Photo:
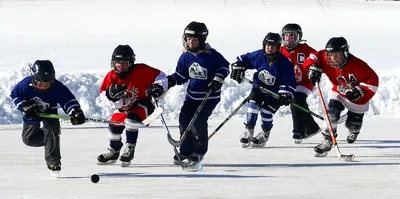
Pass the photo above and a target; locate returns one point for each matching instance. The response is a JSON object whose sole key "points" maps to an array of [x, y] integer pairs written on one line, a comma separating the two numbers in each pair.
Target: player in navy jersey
{"points": [[40, 93], [274, 72], [204, 68]]}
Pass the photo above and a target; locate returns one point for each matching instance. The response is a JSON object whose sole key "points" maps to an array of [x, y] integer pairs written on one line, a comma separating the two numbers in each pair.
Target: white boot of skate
{"points": [[247, 137]]}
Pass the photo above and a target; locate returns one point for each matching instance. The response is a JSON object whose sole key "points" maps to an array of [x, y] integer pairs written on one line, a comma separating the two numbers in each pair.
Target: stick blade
{"points": [[173, 142], [347, 158]]}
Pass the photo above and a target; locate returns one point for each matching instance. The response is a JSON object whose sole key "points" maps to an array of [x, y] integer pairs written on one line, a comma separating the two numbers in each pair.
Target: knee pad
{"points": [[252, 113], [354, 122], [115, 132], [334, 109], [257, 96], [266, 118], [133, 118]]}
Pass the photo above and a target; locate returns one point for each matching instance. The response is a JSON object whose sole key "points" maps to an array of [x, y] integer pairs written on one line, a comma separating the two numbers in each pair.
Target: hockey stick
{"points": [[177, 143], [130, 123], [349, 157], [66, 117], [168, 132], [229, 117], [276, 96]]}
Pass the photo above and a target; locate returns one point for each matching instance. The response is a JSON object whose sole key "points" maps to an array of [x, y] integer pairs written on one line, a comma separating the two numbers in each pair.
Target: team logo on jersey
{"points": [[298, 73], [344, 84], [197, 72], [266, 77], [300, 58]]}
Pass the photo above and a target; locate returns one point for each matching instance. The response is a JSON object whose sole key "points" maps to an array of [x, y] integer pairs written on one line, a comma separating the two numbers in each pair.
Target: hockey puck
{"points": [[95, 178]]}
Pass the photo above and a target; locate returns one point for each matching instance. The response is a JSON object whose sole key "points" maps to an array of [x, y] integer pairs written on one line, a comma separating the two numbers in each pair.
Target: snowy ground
{"points": [[280, 170]]}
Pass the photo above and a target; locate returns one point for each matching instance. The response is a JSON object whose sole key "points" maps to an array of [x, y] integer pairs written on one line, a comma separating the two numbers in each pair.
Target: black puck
{"points": [[95, 178]]}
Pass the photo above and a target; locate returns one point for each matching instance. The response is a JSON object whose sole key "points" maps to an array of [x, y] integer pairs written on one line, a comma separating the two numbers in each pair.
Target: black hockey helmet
{"points": [[337, 44], [272, 39], [198, 30], [292, 28], [123, 53], [43, 74]]}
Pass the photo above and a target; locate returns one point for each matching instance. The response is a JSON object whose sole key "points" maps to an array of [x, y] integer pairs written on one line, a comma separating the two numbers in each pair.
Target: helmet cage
{"points": [[287, 38], [332, 62]]}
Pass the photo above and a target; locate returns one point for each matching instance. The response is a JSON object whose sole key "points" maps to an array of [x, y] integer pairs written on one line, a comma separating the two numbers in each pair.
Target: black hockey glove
{"points": [[314, 74], [116, 91], [30, 109], [155, 91], [237, 73], [285, 99], [77, 117], [216, 84], [355, 93], [171, 81]]}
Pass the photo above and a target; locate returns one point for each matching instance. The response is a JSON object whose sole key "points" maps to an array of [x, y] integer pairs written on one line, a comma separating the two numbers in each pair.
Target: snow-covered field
{"points": [[79, 37]]}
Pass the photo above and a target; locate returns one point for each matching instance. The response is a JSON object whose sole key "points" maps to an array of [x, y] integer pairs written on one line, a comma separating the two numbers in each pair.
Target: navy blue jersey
{"points": [[200, 69], [277, 76], [58, 94]]}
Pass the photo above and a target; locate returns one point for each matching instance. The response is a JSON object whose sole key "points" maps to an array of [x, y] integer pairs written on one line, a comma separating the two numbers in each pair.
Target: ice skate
{"points": [[54, 170], [128, 155], [322, 149], [247, 138], [261, 139], [298, 138], [182, 158], [352, 137], [108, 158], [194, 163]]}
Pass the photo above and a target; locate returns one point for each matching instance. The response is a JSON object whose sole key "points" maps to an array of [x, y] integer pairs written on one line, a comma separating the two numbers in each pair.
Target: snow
{"points": [[79, 37]]}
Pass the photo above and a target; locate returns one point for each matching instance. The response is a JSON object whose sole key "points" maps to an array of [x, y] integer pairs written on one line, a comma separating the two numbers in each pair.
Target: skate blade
{"points": [[298, 141], [319, 155], [55, 174], [192, 167], [107, 163], [258, 145], [125, 164], [246, 145]]}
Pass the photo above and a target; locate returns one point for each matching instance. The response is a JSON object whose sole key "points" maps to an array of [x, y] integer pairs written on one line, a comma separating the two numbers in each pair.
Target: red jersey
{"points": [[141, 78], [297, 56], [354, 73]]}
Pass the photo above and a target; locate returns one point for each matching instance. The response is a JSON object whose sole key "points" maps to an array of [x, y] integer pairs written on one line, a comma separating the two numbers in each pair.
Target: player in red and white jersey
{"points": [[304, 125], [129, 87], [354, 84]]}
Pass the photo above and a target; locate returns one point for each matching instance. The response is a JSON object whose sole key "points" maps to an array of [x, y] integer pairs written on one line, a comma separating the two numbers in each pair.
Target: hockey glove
{"points": [[116, 92], [314, 74], [76, 116], [355, 93], [238, 72], [216, 84], [171, 81], [30, 109], [285, 99], [155, 91]]}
